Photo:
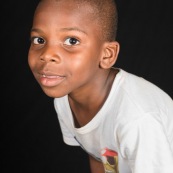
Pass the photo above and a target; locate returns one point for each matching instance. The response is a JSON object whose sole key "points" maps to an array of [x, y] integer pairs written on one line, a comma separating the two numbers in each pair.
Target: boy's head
{"points": [[73, 44], [104, 13]]}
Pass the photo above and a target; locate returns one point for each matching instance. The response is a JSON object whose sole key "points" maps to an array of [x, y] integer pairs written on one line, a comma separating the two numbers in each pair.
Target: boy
{"points": [[122, 121]]}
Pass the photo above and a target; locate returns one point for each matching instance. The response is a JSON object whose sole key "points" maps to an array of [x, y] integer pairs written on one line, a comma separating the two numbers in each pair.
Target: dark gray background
{"points": [[31, 139]]}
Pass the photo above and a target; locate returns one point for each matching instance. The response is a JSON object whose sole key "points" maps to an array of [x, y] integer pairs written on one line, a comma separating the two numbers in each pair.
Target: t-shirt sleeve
{"points": [[66, 128], [145, 144], [68, 137]]}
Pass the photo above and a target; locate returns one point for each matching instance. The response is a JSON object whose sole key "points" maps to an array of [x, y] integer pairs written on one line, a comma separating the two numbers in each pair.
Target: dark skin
{"points": [[84, 112], [68, 57]]}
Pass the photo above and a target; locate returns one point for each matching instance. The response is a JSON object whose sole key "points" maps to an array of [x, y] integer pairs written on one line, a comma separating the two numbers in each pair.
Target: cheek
{"points": [[31, 63], [32, 59], [80, 62], [83, 66], [86, 56]]}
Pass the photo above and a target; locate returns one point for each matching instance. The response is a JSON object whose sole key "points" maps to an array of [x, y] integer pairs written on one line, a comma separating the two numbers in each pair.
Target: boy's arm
{"points": [[96, 166]]}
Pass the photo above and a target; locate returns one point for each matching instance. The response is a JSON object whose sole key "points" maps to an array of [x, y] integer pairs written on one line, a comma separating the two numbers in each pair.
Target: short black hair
{"points": [[106, 15]]}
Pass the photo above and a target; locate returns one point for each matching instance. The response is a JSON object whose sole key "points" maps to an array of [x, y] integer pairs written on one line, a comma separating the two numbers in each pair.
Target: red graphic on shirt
{"points": [[110, 160]]}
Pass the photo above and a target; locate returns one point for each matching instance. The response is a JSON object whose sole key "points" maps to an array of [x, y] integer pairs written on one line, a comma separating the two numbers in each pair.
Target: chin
{"points": [[53, 94]]}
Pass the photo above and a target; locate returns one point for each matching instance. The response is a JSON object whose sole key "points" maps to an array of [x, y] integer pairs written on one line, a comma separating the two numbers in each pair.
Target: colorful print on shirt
{"points": [[110, 160]]}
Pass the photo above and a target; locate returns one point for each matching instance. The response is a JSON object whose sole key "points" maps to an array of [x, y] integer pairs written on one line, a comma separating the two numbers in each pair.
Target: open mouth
{"points": [[51, 80], [51, 76]]}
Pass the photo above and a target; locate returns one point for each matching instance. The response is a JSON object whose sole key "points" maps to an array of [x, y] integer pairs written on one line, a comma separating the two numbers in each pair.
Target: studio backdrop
{"points": [[32, 140]]}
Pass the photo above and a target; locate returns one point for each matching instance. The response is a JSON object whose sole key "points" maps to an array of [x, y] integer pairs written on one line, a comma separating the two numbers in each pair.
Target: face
{"points": [[65, 48]]}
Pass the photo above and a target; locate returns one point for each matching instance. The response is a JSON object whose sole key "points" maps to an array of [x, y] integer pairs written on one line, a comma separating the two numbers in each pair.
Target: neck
{"points": [[86, 105]]}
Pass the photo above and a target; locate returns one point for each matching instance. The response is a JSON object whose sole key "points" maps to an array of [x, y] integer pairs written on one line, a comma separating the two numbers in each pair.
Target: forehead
{"points": [[68, 7], [65, 14]]}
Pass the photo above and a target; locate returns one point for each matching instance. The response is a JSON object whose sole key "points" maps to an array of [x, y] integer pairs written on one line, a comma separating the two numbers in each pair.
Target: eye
{"points": [[71, 41], [38, 40]]}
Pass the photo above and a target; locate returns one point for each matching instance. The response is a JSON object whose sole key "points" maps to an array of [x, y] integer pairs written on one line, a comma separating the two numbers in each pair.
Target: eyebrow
{"points": [[73, 29], [35, 30], [62, 29]]}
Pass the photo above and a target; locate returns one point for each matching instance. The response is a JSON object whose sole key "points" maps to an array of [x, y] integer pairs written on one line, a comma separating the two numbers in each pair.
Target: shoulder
{"points": [[142, 93], [61, 103]]}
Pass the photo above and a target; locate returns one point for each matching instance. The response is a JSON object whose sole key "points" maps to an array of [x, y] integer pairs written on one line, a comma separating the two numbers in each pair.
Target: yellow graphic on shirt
{"points": [[110, 160]]}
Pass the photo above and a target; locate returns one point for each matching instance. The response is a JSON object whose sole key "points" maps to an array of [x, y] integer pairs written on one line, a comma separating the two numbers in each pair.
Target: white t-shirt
{"points": [[132, 132]]}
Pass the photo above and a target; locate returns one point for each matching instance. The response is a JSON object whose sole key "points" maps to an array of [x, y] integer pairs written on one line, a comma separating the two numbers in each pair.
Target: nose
{"points": [[50, 54]]}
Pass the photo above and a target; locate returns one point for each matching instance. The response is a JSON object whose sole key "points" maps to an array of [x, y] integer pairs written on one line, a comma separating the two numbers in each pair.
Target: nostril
{"points": [[52, 60], [41, 59], [47, 59]]}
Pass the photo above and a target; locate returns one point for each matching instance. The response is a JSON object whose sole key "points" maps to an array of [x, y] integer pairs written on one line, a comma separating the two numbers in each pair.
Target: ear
{"points": [[110, 54]]}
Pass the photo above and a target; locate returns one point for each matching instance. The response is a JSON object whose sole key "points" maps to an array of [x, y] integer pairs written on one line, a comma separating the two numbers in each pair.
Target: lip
{"points": [[51, 80]]}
